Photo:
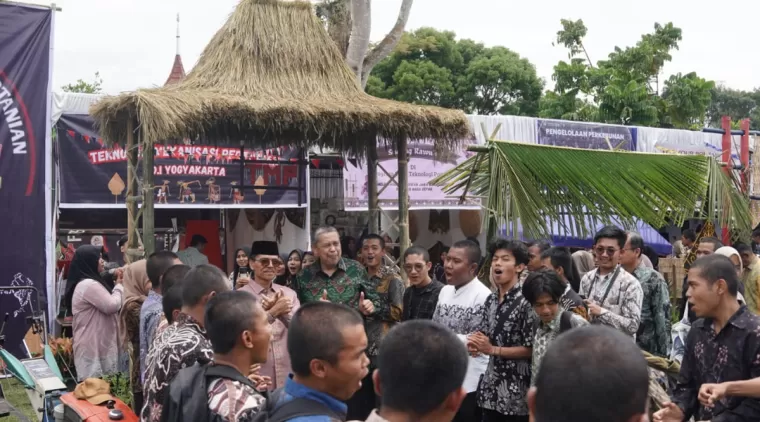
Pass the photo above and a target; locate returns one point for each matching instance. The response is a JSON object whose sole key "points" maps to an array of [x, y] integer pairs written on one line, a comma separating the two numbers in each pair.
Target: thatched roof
{"points": [[272, 76]]}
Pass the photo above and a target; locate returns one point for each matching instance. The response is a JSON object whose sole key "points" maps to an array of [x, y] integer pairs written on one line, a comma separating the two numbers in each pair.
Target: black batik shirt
{"points": [[419, 303], [506, 381], [733, 354]]}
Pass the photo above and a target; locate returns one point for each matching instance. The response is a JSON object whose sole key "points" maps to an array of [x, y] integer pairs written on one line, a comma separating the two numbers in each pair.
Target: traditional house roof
{"points": [[178, 71]]}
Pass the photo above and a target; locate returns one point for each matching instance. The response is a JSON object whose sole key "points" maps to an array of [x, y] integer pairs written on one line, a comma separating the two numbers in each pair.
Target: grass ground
{"points": [[17, 397]]}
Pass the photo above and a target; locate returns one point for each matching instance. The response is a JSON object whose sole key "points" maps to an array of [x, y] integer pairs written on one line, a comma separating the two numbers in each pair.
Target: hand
{"points": [[472, 350], [669, 413], [711, 393], [118, 275], [262, 382], [366, 307], [593, 308], [479, 342], [241, 281], [267, 302], [282, 306], [324, 296]]}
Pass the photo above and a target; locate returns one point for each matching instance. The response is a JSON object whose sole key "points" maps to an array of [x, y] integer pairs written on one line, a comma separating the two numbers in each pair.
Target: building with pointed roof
{"points": [[178, 70]]}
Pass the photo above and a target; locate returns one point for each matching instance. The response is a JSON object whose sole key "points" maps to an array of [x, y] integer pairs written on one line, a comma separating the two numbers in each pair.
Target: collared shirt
{"points": [[180, 345], [231, 400], [751, 281], [295, 390], [733, 354], [545, 334], [419, 303], [622, 306], [461, 310], [390, 290], [573, 302], [150, 314], [277, 366], [192, 257], [653, 335], [508, 323], [375, 417], [344, 286]]}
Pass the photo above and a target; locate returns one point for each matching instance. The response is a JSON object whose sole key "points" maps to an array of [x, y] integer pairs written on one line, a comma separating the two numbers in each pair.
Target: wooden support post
{"points": [[403, 196], [726, 147], [373, 204], [133, 253], [148, 214]]}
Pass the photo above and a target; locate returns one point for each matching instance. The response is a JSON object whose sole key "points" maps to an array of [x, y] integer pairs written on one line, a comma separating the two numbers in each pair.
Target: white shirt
{"points": [[461, 311], [192, 257]]}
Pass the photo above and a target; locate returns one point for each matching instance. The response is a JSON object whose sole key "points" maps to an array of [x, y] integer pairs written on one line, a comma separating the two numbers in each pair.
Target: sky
{"points": [[132, 42]]}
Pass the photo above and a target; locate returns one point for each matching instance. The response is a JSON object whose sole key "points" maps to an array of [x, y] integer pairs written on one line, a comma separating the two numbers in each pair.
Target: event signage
{"points": [[24, 95], [185, 175], [423, 166], [585, 135]]}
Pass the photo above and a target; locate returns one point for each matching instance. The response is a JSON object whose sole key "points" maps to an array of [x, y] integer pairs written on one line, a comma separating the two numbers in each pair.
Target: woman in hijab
{"points": [[308, 259], [283, 275], [241, 275], [583, 261], [292, 267], [95, 305], [136, 285]]}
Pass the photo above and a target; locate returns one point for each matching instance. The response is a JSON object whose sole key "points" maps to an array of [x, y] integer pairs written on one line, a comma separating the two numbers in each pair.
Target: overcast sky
{"points": [[132, 42]]}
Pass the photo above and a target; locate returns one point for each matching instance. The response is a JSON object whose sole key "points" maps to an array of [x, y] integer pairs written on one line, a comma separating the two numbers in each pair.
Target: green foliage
{"points": [[84, 87], [119, 383], [734, 103], [431, 67], [624, 88]]}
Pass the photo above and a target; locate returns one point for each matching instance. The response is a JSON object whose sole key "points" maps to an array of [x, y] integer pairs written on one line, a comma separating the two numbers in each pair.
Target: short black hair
{"points": [[316, 332], [611, 232], [227, 315], [171, 300], [562, 258], [712, 241], [372, 236], [636, 242], [197, 240], [542, 245], [715, 267], [515, 247], [445, 249], [471, 249], [201, 281], [609, 366], [689, 234], [417, 250], [157, 264], [173, 275], [123, 240], [420, 364], [743, 248], [543, 281], [756, 233]]}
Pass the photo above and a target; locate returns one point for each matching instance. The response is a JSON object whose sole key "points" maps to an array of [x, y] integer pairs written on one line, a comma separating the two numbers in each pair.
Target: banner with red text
{"points": [[184, 175]]}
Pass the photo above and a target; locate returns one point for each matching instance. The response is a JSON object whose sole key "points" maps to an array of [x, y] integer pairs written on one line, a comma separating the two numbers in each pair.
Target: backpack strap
{"points": [[565, 321], [297, 407], [228, 372]]}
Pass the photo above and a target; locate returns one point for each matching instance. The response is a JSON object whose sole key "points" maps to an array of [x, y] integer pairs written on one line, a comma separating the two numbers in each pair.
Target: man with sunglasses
{"points": [[279, 302], [613, 295]]}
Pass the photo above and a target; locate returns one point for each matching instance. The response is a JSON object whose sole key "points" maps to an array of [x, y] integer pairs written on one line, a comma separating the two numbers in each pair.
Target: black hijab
{"points": [[84, 266], [235, 273]]}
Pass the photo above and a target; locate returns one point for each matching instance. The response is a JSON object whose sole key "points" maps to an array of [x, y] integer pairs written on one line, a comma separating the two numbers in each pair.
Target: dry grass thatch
{"points": [[272, 76]]}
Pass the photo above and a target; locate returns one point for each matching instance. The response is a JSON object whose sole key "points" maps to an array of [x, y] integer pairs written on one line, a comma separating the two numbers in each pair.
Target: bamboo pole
{"points": [[148, 214], [403, 196], [133, 252], [372, 195]]}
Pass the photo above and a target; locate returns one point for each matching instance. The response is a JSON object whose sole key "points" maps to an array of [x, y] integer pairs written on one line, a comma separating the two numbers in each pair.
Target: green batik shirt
{"points": [[344, 286], [654, 330], [390, 291]]}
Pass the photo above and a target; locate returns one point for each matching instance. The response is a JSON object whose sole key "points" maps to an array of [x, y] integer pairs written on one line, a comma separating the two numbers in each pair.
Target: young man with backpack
{"points": [[239, 333], [543, 290]]}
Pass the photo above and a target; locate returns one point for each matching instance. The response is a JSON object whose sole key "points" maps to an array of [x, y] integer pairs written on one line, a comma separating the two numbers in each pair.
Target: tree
{"points": [[432, 67], [83, 87], [734, 103], [625, 88]]}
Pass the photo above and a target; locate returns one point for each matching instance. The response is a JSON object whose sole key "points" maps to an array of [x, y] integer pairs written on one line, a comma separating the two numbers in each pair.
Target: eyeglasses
{"points": [[416, 267], [600, 251], [265, 262]]}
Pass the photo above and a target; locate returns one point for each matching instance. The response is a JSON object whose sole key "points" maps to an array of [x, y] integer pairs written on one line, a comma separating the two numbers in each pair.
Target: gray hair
{"points": [[322, 231], [636, 242]]}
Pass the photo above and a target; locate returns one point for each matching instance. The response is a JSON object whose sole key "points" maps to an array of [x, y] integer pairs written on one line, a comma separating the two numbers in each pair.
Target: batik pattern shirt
{"points": [[545, 335], [733, 354], [233, 401], [344, 286], [622, 306], [506, 381], [150, 315], [179, 346], [390, 291], [573, 302], [751, 281], [419, 303], [653, 335]]}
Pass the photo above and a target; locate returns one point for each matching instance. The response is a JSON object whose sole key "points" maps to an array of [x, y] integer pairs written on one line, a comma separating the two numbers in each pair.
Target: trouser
{"points": [[494, 416], [469, 410], [360, 405], [137, 396]]}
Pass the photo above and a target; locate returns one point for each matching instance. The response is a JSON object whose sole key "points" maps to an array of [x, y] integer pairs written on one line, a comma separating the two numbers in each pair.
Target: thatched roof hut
{"points": [[272, 76]]}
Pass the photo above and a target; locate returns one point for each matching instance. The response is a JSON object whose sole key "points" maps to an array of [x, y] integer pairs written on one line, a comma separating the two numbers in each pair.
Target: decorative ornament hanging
{"points": [[470, 222]]}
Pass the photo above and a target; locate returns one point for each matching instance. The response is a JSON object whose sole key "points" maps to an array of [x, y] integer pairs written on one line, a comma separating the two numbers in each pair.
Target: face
{"points": [[101, 264], [201, 247], [737, 264], [459, 270], [281, 269], [607, 253], [266, 266], [704, 297], [628, 256], [327, 249], [504, 268], [747, 258], [345, 377], [546, 308], [705, 249], [241, 258], [686, 242], [372, 253], [308, 260], [294, 263], [547, 263], [256, 338], [443, 257], [416, 269], [535, 258]]}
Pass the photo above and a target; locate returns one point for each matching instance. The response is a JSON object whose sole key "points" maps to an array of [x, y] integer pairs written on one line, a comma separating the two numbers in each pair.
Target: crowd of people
{"points": [[547, 336]]}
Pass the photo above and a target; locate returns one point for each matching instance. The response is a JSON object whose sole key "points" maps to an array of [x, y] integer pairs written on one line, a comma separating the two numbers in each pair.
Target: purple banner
{"points": [[24, 95], [187, 175], [566, 133]]}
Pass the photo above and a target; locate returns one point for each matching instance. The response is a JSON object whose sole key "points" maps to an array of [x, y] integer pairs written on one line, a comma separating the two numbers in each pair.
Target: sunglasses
{"points": [[265, 262], [600, 251]]}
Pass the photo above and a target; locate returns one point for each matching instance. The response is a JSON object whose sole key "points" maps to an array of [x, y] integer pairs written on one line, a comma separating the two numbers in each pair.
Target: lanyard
{"points": [[609, 286]]}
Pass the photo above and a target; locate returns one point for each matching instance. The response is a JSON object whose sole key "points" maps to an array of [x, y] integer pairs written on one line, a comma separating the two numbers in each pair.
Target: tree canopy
{"points": [[85, 87]]}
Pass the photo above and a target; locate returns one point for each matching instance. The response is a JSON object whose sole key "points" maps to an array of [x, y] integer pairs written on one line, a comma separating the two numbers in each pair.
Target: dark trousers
{"points": [[494, 416], [138, 401], [360, 405], [469, 410]]}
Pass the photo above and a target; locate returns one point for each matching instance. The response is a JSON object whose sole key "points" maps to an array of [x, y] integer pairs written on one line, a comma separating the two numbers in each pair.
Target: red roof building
{"points": [[178, 70]]}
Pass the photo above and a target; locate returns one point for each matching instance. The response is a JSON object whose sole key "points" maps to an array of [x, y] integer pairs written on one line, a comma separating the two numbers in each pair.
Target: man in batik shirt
{"points": [[751, 277], [653, 335]]}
